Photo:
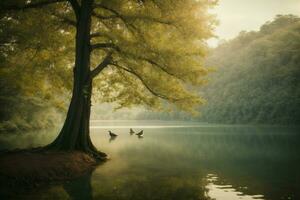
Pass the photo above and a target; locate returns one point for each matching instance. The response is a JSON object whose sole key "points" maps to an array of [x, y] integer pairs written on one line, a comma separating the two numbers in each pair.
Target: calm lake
{"points": [[180, 160]]}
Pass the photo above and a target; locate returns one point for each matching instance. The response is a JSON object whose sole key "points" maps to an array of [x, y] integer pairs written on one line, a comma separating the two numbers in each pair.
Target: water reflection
{"points": [[140, 136], [80, 188], [219, 191], [194, 162], [111, 139], [259, 163]]}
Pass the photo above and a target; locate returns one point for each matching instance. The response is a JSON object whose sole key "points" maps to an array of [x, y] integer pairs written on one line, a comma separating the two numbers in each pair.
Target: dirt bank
{"points": [[29, 168]]}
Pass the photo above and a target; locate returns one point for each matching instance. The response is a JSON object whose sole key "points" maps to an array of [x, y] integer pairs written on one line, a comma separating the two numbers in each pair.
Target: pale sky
{"points": [[237, 15]]}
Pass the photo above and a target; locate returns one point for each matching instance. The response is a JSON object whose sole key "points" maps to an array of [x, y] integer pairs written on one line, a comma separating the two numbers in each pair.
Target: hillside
{"points": [[256, 78]]}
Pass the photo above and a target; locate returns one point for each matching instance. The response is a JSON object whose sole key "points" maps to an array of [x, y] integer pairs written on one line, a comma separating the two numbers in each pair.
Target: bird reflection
{"points": [[140, 136], [112, 139]]}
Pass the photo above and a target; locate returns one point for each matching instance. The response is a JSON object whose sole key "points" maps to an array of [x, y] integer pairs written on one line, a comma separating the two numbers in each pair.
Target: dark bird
{"points": [[141, 133], [111, 134], [131, 131]]}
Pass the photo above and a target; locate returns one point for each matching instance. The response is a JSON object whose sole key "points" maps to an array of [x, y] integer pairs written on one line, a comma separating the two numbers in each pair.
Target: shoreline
{"points": [[32, 169]]}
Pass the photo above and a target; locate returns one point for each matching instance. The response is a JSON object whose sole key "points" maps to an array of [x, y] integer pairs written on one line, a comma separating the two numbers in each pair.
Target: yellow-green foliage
{"points": [[158, 47], [34, 68]]}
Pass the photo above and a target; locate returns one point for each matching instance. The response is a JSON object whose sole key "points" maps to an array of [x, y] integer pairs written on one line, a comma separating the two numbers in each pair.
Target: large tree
{"points": [[147, 52]]}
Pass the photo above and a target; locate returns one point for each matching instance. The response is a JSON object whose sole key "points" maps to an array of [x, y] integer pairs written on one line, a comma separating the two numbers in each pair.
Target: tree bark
{"points": [[75, 134]]}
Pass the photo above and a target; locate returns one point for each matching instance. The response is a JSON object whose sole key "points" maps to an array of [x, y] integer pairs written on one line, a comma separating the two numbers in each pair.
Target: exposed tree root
{"points": [[91, 150]]}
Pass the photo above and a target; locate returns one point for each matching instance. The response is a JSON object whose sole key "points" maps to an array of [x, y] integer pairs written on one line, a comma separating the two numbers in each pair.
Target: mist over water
{"points": [[181, 160]]}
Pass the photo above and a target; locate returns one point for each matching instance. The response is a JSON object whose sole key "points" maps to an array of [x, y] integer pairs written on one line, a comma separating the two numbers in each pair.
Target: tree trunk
{"points": [[75, 134]]}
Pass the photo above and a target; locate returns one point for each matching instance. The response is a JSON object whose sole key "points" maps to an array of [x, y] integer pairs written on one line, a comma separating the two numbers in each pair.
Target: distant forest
{"points": [[256, 78]]}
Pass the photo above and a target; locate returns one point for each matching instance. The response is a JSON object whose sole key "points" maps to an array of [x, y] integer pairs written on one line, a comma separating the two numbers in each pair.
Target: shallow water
{"points": [[181, 160]]}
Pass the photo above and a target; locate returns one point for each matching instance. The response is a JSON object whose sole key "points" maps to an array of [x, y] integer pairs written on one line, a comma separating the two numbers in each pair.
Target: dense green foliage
{"points": [[257, 78]]}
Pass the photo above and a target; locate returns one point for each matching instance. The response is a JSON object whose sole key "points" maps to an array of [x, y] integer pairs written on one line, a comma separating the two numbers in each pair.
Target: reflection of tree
{"points": [[148, 185], [80, 188]]}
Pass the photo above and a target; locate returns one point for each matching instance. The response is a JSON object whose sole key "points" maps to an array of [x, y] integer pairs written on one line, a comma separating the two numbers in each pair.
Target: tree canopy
{"points": [[156, 50], [33, 69]]}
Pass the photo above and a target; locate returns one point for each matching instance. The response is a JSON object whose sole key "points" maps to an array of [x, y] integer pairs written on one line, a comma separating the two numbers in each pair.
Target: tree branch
{"points": [[130, 17], [150, 61], [102, 45], [97, 34], [31, 5], [76, 7], [65, 19], [107, 8], [102, 65], [104, 17], [117, 15], [144, 83]]}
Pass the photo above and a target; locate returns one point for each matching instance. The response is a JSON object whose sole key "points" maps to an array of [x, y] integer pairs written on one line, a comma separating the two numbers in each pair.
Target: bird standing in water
{"points": [[111, 134], [131, 131], [141, 133]]}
